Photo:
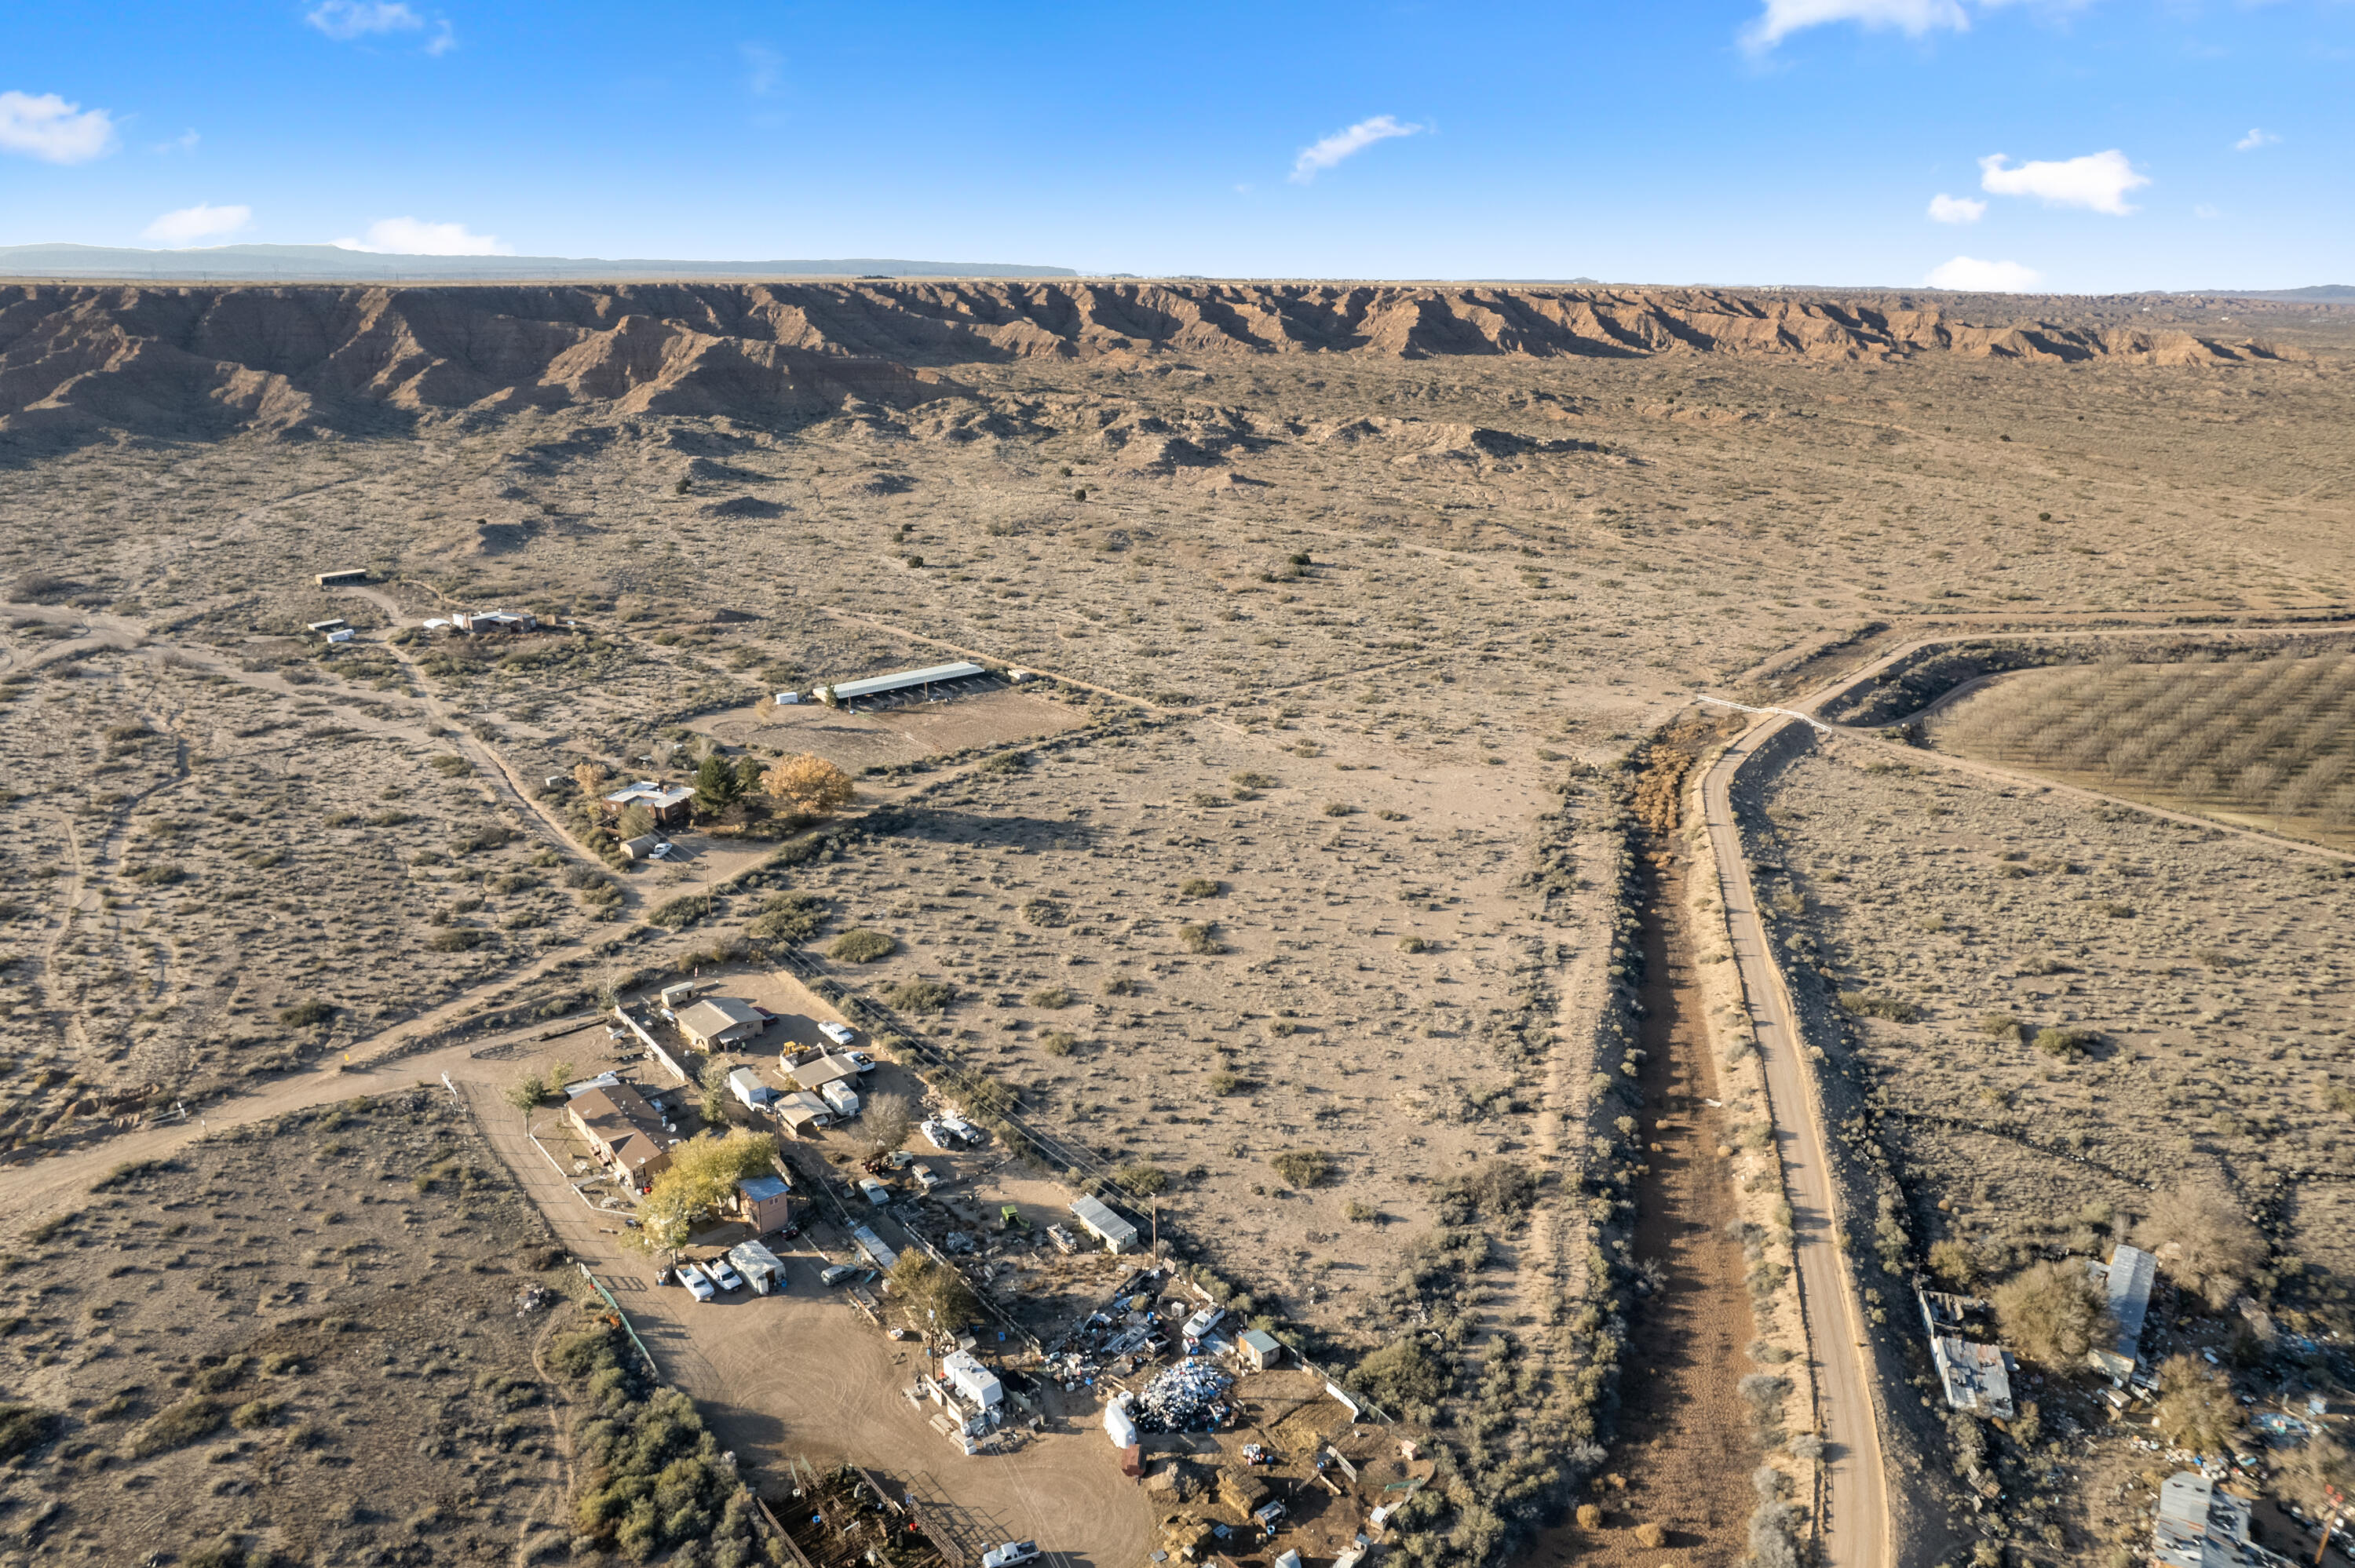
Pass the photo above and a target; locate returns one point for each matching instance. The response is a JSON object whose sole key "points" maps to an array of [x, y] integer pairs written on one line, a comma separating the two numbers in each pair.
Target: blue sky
{"points": [[2100, 146]]}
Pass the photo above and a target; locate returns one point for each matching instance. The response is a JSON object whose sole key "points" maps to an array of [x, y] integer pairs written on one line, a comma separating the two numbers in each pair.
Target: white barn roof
{"points": [[877, 685]]}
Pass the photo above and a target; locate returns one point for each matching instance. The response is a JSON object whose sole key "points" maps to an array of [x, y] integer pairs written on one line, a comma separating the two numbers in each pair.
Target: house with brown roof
{"points": [[624, 1131], [718, 1021]]}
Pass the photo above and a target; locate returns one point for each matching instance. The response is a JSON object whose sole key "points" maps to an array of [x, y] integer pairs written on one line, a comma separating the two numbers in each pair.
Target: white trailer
{"points": [[746, 1085], [763, 1270], [873, 1246], [971, 1379]]}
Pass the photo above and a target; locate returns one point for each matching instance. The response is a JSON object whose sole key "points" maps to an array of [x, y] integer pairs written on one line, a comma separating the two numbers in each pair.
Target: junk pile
{"points": [[1184, 1398]]}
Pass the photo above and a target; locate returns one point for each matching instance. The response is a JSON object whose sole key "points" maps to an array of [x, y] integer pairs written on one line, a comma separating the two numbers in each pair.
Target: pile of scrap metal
{"points": [[1186, 1397]]}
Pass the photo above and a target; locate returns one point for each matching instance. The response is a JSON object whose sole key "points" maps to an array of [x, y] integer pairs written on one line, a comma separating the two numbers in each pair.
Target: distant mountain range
{"points": [[334, 264], [2321, 294]]}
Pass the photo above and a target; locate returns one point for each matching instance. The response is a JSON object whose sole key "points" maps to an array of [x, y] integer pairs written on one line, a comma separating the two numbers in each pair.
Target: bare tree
{"points": [[2203, 1241], [2052, 1314], [884, 1123]]}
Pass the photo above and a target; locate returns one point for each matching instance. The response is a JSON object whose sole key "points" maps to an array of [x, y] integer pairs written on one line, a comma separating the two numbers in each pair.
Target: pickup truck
{"points": [[877, 1193], [1011, 1555]]}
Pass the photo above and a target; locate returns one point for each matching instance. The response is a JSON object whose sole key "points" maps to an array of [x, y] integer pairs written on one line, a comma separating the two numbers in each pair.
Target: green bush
{"points": [[1057, 1042], [789, 916], [177, 1426], [862, 947], [1201, 887], [1304, 1167], [2065, 1044], [456, 939], [1223, 1083], [921, 997], [681, 912], [304, 1015], [23, 1428], [1872, 1004], [648, 1477], [1401, 1373], [1143, 1178], [1498, 1188], [1053, 998], [1201, 938]]}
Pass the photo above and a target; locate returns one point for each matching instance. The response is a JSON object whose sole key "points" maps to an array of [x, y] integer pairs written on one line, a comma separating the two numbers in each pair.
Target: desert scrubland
{"points": [[1306, 890]]}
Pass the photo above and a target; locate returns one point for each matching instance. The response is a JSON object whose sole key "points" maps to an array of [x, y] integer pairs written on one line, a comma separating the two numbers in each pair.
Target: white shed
{"points": [[971, 1379], [762, 1269], [1116, 1233]]}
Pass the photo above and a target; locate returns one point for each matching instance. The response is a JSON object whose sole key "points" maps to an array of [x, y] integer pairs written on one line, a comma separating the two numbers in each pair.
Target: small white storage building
{"points": [[746, 1085], [1116, 1233], [971, 1379], [763, 1270]]}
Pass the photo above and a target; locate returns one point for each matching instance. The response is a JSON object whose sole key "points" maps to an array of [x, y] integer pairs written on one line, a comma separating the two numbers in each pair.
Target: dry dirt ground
{"points": [[303, 1340], [2208, 976], [1342, 595]]}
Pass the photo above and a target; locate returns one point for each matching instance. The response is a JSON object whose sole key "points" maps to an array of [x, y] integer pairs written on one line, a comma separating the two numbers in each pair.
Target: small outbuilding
{"points": [[494, 620], [765, 1202], [718, 1021], [351, 577], [750, 1092], [801, 1112], [971, 1379], [816, 1073], [2125, 1281], [643, 847], [1116, 1233], [2199, 1525], [762, 1270], [1259, 1349]]}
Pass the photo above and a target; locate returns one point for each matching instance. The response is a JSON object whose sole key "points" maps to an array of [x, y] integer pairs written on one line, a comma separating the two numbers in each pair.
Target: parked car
{"points": [[717, 1270], [696, 1286], [937, 1136], [840, 1033], [877, 1193], [1010, 1555], [929, 1179], [834, 1273], [899, 1160], [841, 1096]]}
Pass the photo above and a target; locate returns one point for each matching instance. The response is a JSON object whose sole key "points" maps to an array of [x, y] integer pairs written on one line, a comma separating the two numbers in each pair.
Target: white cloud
{"points": [[409, 236], [2256, 139], [186, 141], [1341, 144], [444, 41], [1780, 18], [765, 67], [349, 19], [2098, 180], [48, 128], [2205, 212], [190, 224], [1945, 209], [1972, 275]]}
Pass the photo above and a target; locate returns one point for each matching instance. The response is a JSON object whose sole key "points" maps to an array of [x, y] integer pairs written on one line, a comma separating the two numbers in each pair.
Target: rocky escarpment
{"points": [[182, 362]]}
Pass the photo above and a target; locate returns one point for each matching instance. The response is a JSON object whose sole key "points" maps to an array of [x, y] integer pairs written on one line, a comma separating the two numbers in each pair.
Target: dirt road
{"points": [[1855, 1522]]}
